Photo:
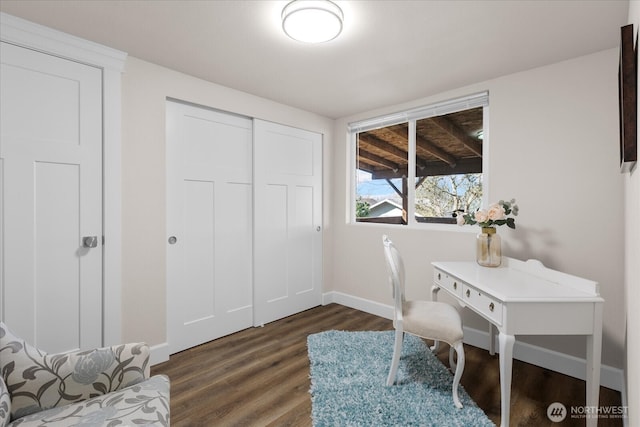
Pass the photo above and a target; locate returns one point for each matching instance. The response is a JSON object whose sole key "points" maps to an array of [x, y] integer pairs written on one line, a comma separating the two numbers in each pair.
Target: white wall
{"points": [[554, 147], [145, 88], [632, 270]]}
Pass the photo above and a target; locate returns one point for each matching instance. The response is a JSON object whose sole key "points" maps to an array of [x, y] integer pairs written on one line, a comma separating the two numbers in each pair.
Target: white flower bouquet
{"points": [[496, 214]]}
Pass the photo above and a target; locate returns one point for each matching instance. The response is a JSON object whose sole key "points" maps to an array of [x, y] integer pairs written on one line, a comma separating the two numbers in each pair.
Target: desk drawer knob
{"points": [[438, 276], [491, 307], [468, 293], [455, 285]]}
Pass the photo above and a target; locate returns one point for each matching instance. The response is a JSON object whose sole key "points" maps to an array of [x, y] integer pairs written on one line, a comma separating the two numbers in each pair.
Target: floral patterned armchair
{"points": [[103, 387]]}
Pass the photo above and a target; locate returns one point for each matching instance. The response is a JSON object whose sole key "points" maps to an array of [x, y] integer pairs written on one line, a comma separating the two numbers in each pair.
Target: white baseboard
{"points": [[610, 377], [159, 353], [575, 367], [361, 304]]}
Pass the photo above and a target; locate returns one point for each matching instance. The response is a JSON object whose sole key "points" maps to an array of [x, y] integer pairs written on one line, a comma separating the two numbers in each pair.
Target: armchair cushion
{"points": [[145, 403], [37, 381], [5, 404]]}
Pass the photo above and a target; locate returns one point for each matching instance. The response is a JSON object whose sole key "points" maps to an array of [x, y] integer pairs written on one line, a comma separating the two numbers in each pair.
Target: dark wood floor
{"points": [[260, 377]]}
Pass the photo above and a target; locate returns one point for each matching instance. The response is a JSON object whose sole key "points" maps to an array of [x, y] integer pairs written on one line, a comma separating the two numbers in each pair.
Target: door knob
{"points": [[90, 241]]}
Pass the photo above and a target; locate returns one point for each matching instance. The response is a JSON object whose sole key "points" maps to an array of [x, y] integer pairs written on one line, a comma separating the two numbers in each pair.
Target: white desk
{"points": [[526, 298]]}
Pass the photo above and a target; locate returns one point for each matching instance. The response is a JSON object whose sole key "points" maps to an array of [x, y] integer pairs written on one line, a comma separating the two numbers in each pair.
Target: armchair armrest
{"points": [[37, 380]]}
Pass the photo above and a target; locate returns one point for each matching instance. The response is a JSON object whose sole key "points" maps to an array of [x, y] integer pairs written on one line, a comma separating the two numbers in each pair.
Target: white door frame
{"points": [[33, 36]]}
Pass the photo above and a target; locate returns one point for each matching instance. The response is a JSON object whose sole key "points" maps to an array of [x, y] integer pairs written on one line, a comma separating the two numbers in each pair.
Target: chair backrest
{"points": [[395, 268]]}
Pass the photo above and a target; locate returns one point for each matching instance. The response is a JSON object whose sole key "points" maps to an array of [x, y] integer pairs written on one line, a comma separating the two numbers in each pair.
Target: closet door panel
{"points": [[288, 221], [301, 251], [209, 214]]}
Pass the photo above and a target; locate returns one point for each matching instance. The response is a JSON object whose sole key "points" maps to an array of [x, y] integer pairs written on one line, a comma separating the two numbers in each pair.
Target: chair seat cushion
{"points": [[146, 403], [433, 320]]}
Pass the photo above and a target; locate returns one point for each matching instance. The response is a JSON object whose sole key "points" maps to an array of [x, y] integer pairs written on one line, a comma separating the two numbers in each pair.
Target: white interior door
{"points": [[209, 225], [287, 221], [51, 198]]}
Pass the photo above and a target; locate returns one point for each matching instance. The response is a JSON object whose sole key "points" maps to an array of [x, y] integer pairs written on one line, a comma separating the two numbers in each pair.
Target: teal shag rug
{"points": [[348, 384]]}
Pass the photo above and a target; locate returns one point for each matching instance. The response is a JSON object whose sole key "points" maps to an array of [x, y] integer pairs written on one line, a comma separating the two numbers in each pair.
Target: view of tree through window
{"points": [[448, 173], [441, 196]]}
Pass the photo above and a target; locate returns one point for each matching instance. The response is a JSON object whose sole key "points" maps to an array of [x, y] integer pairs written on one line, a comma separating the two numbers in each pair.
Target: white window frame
{"points": [[411, 116]]}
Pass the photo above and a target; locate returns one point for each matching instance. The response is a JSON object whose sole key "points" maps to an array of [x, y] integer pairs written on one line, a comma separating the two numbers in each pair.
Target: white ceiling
{"points": [[389, 52]]}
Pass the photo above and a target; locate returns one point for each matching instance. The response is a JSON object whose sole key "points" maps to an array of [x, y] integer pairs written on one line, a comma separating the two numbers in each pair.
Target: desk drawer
{"points": [[447, 282], [484, 304]]}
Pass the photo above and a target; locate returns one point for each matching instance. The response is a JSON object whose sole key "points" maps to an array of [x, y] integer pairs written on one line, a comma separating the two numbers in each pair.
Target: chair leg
{"points": [[397, 350], [452, 362], [456, 378]]}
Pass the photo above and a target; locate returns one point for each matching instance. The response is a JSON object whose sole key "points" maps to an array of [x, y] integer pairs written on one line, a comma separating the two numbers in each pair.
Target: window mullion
{"points": [[411, 174], [353, 144], [485, 156]]}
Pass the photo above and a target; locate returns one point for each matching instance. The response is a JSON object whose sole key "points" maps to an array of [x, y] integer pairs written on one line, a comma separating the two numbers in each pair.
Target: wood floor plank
{"points": [[260, 377]]}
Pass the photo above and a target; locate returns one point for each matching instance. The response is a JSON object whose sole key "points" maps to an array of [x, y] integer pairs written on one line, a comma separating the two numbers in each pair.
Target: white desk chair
{"points": [[432, 320]]}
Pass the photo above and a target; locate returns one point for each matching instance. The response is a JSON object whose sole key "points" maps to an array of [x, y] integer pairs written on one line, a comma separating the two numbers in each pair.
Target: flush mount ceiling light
{"points": [[312, 21]]}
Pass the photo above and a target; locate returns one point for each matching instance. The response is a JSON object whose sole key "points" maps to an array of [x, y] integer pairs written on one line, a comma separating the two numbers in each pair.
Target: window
{"points": [[421, 165]]}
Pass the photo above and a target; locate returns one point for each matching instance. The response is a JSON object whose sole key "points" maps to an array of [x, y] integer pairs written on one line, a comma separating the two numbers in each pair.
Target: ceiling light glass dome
{"points": [[312, 21]]}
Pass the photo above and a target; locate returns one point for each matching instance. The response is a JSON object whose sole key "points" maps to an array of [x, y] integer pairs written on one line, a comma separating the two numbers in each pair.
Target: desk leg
{"points": [[506, 364], [594, 349], [434, 297], [492, 339]]}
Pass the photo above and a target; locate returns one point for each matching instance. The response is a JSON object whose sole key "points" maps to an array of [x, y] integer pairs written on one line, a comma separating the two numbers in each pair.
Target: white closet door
{"points": [[287, 221], [51, 198], [209, 214]]}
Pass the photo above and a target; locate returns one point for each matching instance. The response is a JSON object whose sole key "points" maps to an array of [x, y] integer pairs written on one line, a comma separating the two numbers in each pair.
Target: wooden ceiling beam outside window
{"points": [[402, 156], [452, 129], [365, 165], [424, 144], [445, 145], [378, 160], [472, 165], [376, 142]]}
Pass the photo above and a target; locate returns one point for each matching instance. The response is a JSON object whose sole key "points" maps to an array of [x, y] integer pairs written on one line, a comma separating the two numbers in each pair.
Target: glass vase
{"points": [[488, 248]]}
